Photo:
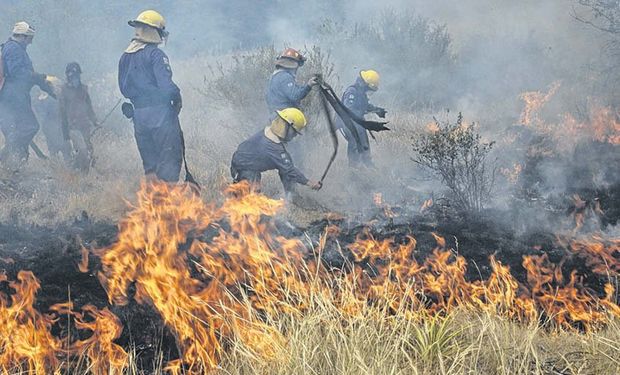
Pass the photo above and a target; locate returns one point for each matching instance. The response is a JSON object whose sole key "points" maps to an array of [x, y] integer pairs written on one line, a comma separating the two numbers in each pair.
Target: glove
{"points": [[313, 81], [47, 83], [127, 109], [381, 112], [315, 185]]}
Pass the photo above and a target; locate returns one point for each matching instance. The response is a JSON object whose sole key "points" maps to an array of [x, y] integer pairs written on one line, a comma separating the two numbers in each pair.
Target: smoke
{"points": [[473, 56]]}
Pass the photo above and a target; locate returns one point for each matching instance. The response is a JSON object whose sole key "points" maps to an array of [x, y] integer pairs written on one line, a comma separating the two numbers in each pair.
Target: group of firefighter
{"points": [[154, 104]]}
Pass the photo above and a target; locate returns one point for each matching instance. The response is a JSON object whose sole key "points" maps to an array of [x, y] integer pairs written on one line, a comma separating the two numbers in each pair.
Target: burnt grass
{"points": [[53, 254]]}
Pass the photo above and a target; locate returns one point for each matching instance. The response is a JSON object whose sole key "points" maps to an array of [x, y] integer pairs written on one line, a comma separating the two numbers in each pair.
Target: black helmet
{"points": [[73, 68]]}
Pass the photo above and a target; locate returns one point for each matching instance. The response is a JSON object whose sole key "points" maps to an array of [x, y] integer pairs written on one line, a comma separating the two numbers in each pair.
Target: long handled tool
{"points": [[38, 151], [332, 134], [107, 116]]}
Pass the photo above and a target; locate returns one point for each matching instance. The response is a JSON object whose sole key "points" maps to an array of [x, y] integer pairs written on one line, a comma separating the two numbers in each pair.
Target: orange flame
{"points": [[216, 273]]}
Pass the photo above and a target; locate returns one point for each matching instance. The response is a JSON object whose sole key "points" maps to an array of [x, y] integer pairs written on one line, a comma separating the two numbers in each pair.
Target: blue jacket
{"points": [[355, 98], [284, 92], [145, 78], [18, 72], [258, 153]]}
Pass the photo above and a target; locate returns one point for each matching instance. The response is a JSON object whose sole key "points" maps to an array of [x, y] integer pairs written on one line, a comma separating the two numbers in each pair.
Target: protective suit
{"points": [[284, 92], [145, 78], [17, 120], [266, 151], [355, 98]]}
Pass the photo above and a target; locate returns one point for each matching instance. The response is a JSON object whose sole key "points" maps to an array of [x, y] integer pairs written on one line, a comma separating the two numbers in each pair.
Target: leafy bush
{"points": [[456, 154]]}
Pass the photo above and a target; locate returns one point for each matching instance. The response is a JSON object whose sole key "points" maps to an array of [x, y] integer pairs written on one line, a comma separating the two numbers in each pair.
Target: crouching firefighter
{"points": [[355, 98], [145, 78], [266, 150], [17, 77]]}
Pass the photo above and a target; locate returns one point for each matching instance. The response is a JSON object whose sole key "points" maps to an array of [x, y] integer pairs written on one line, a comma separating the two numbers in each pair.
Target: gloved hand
{"points": [[313, 81], [127, 109], [47, 83], [381, 112], [314, 185]]}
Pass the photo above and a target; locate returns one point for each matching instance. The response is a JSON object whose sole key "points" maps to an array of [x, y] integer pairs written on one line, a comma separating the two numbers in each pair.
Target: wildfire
{"points": [[601, 124], [217, 273], [28, 346], [512, 174]]}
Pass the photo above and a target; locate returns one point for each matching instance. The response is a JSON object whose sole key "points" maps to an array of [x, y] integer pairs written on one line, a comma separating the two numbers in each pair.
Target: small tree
{"points": [[458, 156]]}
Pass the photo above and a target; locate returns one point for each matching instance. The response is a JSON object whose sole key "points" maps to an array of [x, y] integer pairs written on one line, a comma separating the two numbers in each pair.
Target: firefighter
{"points": [[266, 151], [17, 120], [77, 116], [283, 90], [355, 98], [145, 78]]}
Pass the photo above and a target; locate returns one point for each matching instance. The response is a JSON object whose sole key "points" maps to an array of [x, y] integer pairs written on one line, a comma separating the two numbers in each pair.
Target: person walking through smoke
{"points": [[77, 116], [355, 98], [145, 78], [17, 120]]}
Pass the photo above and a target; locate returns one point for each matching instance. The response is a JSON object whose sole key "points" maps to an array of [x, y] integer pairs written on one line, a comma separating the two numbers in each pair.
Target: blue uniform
{"points": [[284, 92], [355, 98], [259, 154], [17, 120], [145, 78]]}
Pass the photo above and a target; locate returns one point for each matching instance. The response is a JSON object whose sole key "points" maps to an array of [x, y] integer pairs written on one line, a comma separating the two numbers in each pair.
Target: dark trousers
{"points": [[19, 126], [158, 136], [357, 155]]}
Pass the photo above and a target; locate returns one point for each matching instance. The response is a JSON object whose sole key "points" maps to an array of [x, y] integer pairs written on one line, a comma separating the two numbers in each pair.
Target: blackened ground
{"points": [[53, 254]]}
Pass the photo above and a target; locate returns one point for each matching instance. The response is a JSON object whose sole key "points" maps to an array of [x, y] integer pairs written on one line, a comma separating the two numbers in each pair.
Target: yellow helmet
{"points": [[293, 117], [149, 18], [371, 78]]}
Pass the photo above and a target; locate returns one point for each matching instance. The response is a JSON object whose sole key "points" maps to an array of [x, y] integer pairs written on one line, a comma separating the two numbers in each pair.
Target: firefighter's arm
{"points": [[163, 75], [285, 166], [294, 91]]}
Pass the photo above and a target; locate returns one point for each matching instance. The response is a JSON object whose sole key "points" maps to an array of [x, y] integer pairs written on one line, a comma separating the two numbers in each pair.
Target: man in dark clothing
{"points": [[283, 90], [266, 150], [17, 120], [355, 98], [145, 78], [77, 116]]}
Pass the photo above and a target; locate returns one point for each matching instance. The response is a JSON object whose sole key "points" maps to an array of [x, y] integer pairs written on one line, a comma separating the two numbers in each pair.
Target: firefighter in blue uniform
{"points": [[17, 120], [283, 91], [355, 98], [266, 150], [145, 78]]}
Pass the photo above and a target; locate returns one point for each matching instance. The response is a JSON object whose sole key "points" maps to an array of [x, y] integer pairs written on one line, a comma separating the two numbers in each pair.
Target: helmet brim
{"points": [[287, 63]]}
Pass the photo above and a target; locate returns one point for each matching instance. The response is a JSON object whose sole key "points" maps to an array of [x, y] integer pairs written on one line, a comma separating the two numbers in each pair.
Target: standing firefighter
{"points": [[355, 98], [283, 90], [145, 78], [17, 120], [266, 151], [77, 116]]}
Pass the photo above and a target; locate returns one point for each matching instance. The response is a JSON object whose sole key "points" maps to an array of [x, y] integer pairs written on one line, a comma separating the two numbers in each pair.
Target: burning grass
{"points": [[239, 296]]}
